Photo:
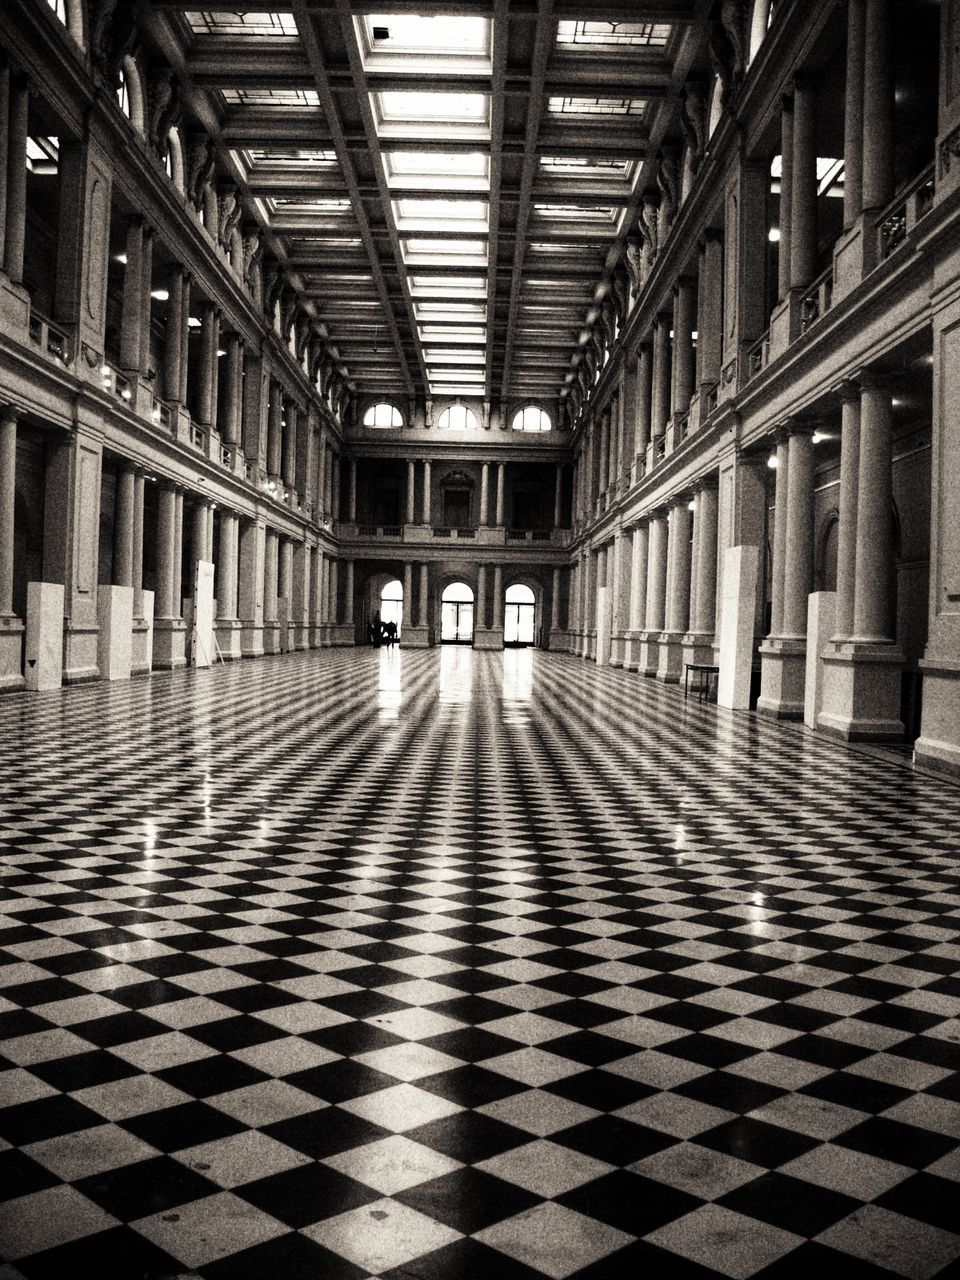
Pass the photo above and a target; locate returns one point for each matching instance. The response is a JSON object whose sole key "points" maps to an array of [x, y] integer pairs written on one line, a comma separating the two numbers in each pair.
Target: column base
{"points": [[488, 638], [80, 663], [11, 652], [344, 634], [617, 643], [670, 664], [631, 650], [14, 307], [229, 633], [784, 324], [649, 659], [169, 644], [938, 746], [783, 675], [697, 648], [251, 640], [142, 657], [854, 257], [271, 636], [861, 692], [300, 637]]}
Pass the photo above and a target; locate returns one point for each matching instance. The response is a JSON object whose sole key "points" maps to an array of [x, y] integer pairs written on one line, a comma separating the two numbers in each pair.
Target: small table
{"points": [[705, 674]]}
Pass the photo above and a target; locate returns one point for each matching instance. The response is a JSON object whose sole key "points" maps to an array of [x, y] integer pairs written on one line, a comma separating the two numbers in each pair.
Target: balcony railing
{"points": [[758, 355], [903, 213], [115, 383], [713, 398], [160, 414], [197, 436], [817, 300], [379, 531], [51, 340]]}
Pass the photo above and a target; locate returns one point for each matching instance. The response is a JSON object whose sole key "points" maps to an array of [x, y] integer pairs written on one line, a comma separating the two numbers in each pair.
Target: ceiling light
{"points": [[161, 295], [772, 462], [773, 235]]}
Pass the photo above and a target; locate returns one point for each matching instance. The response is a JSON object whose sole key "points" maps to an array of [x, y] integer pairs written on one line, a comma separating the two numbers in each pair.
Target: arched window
{"points": [[391, 603], [532, 418], [59, 7], [383, 415], [457, 417], [519, 613], [456, 614]]}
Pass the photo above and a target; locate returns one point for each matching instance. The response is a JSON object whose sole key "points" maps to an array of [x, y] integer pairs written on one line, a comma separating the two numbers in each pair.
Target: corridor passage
{"points": [[448, 965]]}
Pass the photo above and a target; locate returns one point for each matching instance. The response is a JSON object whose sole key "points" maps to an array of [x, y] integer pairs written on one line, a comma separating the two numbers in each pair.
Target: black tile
{"points": [[468, 1199], [757, 1142], [613, 1139], [306, 1194], [789, 1203], [147, 1187], [629, 1202], [468, 1136], [185, 1125], [325, 1133], [292, 1257], [891, 1140]]}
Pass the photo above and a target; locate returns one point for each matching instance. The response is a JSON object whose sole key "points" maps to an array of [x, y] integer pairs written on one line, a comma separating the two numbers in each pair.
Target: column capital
{"points": [[876, 380], [9, 413], [847, 390]]}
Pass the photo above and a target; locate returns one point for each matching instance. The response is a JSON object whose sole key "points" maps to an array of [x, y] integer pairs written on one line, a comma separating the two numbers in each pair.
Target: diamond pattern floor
{"points": [[458, 965]]}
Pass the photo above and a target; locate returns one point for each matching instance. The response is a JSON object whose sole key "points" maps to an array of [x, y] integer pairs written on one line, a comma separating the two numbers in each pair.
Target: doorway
{"points": [[456, 614], [391, 604], [519, 616]]}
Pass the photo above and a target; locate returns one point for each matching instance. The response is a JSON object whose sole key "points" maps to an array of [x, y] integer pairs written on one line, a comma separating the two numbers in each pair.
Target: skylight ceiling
{"points": [[444, 192]]}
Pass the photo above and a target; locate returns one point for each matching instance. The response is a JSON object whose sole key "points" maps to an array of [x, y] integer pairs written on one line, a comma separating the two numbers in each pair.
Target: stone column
{"points": [[16, 179], [803, 203], [411, 509], [233, 373], [146, 301], [348, 593], [173, 338], [322, 504], [178, 557], [167, 553], [271, 638], [408, 592], [638, 592], [779, 535], [484, 493], [501, 468], [554, 604], [878, 106], [661, 377], [426, 492], [481, 618], [558, 496], [285, 571], [274, 432], [604, 432], [656, 595], [710, 331], [184, 338], [644, 396], [704, 622], [352, 491], [289, 447], [207, 388], [227, 568], [333, 594], [498, 598], [847, 529], [853, 116], [317, 598], [683, 316], [798, 575], [123, 529], [678, 601], [335, 485], [786, 198], [8, 490], [871, 623], [136, 567], [4, 148], [131, 313], [424, 596]]}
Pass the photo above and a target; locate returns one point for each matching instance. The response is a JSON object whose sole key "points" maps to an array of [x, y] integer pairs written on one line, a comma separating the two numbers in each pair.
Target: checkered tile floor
{"points": [[458, 965]]}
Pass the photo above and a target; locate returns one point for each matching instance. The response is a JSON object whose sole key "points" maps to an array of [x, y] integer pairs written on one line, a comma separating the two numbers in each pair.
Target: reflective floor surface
{"points": [[449, 965]]}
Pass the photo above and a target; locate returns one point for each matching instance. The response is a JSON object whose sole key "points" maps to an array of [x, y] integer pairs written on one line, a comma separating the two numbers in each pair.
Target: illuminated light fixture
{"points": [[819, 436], [221, 351], [126, 393], [193, 322], [692, 505], [161, 295], [773, 235], [772, 462], [105, 371], [122, 258]]}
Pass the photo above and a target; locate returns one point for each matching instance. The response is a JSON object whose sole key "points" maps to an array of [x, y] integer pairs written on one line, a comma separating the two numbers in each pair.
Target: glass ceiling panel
{"points": [[576, 212], [584, 167], [439, 36], [289, 157], [447, 287], [271, 97], [466, 164], [575, 106], [465, 333], [445, 253], [415, 106], [241, 24], [434, 356], [591, 33], [449, 311], [440, 215]]}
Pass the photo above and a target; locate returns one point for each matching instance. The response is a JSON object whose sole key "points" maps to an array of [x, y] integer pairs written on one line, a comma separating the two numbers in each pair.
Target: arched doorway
{"points": [[519, 615], [391, 604], [456, 614]]}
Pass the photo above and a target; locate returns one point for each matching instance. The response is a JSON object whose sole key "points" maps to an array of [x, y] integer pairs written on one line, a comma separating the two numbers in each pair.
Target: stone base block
{"points": [[229, 633], [488, 638], [80, 653], [43, 650], [300, 639], [169, 644], [861, 692], [345, 634], [631, 650], [938, 746], [783, 674], [11, 652], [649, 660], [670, 664], [616, 650], [251, 640], [14, 308], [142, 659], [271, 636], [115, 614], [697, 649], [854, 257]]}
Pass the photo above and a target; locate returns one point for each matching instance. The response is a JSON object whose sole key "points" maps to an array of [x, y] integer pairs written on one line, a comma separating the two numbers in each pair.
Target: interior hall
{"points": [[479, 639]]}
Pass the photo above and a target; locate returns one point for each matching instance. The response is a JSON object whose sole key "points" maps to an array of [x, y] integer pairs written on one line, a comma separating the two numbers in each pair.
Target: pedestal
{"points": [[11, 652], [115, 615], [737, 613], [283, 625], [271, 636], [603, 628], [345, 633], [670, 664], [488, 638], [617, 644], [938, 747], [14, 308], [43, 649], [821, 614], [783, 672], [169, 644], [229, 632], [696, 648], [631, 650], [251, 640], [784, 324], [143, 638], [861, 692], [649, 659], [854, 257]]}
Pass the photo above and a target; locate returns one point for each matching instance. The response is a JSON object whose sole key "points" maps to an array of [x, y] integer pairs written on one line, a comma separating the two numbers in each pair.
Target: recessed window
{"points": [[383, 415], [233, 23], [43, 155], [123, 92], [570, 106], [410, 33], [457, 417], [59, 7], [588, 167], [532, 418], [271, 97]]}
